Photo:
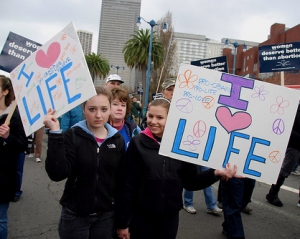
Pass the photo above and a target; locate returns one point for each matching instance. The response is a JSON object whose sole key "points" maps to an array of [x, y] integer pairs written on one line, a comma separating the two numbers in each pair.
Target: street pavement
{"points": [[36, 214]]}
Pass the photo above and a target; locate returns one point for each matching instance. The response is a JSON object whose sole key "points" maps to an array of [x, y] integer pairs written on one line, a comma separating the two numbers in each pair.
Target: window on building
{"points": [[255, 67]]}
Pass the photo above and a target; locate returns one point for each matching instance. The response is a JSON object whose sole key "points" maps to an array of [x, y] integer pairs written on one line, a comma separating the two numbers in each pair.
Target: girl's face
{"points": [[97, 111], [118, 109], [156, 120], [2, 93]]}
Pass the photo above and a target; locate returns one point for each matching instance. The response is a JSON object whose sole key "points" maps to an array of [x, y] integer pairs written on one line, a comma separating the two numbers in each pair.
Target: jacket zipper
{"points": [[163, 184]]}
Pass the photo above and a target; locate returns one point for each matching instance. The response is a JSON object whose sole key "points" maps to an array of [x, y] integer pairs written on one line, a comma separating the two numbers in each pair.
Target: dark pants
{"points": [[249, 185], [72, 226], [154, 227], [21, 160], [232, 200]]}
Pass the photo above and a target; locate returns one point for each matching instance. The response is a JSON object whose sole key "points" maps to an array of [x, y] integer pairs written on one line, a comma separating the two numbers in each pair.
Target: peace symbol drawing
{"points": [[208, 102], [184, 105], [199, 129], [237, 121], [275, 156], [46, 60], [278, 126]]}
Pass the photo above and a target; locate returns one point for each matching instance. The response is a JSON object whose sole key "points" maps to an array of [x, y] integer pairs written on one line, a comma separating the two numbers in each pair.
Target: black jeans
{"points": [[72, 226], [154, 227]]}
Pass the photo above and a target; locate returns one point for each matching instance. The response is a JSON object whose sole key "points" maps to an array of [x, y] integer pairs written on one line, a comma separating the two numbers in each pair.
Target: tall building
{"points": [[85, 39], [192, 47], [117, 23]]}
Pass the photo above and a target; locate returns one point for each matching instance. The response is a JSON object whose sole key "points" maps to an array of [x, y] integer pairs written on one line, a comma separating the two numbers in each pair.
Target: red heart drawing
{"points": [[47, 60], [237, 121]]}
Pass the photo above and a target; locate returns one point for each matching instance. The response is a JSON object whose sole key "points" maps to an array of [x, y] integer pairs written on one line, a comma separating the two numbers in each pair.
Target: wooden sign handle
{"points": [[12, 109]]}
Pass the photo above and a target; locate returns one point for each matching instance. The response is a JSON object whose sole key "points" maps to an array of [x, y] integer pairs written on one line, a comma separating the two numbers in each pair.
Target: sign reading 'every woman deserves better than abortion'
{"points": [[55, 76], [217, 118]]}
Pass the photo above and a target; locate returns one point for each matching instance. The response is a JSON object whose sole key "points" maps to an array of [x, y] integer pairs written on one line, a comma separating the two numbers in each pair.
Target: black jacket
{"points": [[294, 141], [10, 149], [152, 184], [92, 172]]}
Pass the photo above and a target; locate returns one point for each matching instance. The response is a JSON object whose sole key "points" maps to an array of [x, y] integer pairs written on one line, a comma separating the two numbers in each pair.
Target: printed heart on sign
{"points": [[47, 60], [237, 121]]}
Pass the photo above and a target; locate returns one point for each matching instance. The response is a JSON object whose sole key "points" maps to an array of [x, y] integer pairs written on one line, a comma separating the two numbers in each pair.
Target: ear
{"points": [[5, 92]]}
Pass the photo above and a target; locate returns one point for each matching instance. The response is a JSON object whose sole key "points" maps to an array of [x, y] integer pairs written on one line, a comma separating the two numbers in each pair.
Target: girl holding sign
{"points": [[12, 142], [89, 155], [151, 191]]}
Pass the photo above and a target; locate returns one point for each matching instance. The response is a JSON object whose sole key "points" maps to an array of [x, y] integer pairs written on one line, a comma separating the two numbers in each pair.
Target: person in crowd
{"points": [[113, 81], [12, 143], [90, 156], [168, 88], [120, 110], [210, 200], [236, 194], [36, 150], [167, 92], [71, 117], [295, 170], [150, 197], [249, 185], [292, 156], [136, 108], [20, 169]]}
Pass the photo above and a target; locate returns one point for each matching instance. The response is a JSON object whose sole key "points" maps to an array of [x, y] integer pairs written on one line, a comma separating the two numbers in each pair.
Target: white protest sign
{"points": [[217, 118], [56, 76]]}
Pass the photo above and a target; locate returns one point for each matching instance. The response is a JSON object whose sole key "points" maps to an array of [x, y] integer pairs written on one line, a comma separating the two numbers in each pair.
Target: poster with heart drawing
{"points": [[216, 118], [55, 76]]}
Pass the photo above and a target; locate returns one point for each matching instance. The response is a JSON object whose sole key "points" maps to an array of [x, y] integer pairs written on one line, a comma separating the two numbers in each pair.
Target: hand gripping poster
{"points": [[217, 118], [55, 76]]}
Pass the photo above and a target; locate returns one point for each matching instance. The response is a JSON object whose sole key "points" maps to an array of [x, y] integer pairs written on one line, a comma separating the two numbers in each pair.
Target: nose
{"points": [[98, 114]]}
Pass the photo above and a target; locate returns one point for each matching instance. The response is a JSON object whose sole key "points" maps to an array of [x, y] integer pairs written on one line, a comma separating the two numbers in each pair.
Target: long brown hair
{"points": [[5, 84], [100, 90]]}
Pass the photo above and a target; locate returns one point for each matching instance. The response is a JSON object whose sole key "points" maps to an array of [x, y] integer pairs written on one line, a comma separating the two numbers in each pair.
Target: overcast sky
{"points": [[249, 20]]}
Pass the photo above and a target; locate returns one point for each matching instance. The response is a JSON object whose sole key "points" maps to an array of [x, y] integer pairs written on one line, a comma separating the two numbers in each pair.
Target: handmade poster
{"points": [[55, 76], [217, 118]]}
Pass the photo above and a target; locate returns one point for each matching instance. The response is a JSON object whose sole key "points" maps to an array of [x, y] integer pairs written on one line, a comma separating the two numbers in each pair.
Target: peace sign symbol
{"points": [[199, 129], [275, 156], [278, 126], [184, 105], [208, 102]]}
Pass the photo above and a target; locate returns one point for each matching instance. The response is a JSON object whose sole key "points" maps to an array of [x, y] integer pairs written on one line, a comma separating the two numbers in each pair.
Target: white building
{"points": [[117, 23], [192, 47], [85, 39]]}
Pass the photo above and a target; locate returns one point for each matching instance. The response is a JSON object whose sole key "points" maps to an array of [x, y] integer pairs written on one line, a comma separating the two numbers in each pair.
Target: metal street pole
{"points": [[152, 23], [235, 44], [146, 94]]}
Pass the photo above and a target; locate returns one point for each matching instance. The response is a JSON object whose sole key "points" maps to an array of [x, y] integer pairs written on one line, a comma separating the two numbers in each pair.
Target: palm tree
{"points": [[98, 65], [136, 52]]}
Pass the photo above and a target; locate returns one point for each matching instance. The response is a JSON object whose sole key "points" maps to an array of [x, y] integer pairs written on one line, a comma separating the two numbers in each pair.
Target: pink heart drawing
{"points": [[47, 60], [237, 121]]}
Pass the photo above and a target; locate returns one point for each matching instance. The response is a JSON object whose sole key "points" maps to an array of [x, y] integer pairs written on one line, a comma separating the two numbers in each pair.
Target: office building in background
{"points": [[117, 23], [85, 39], [192, 47]]}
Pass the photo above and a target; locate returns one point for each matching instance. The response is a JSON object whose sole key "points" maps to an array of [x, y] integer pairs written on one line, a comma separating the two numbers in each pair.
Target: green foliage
{"points": [[136, 52], [98, 65]]}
